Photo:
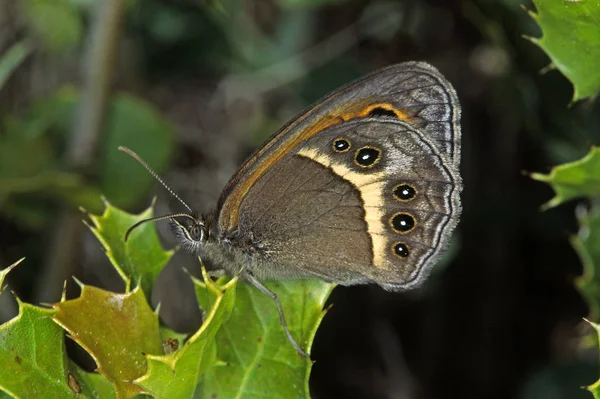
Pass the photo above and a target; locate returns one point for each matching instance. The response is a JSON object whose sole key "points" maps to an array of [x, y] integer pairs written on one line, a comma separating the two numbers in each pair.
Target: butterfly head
{"points": [[191, 231]]}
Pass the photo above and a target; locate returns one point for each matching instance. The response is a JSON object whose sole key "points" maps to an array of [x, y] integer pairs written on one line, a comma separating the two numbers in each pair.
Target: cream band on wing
{"points": [[370, 188]]}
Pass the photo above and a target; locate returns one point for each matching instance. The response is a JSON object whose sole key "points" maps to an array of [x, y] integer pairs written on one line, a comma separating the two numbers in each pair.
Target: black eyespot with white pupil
{"points": [[367, 156], [403, 222], [401, 249], [404, 192], [341, 145]]}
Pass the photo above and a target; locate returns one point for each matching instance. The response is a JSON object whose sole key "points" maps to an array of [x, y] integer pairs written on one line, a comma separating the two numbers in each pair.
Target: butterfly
{"points": [[362, 187]]}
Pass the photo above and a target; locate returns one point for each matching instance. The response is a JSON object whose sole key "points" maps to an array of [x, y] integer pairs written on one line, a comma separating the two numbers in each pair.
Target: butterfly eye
{"points": [[196, 232]]}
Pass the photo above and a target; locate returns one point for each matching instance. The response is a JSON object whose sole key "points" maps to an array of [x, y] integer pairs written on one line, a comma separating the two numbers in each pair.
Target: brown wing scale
{"points": [[332, 208]]}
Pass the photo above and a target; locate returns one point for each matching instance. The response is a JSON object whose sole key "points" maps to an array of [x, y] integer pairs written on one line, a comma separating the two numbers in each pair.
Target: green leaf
{"points": [[171, 340], [93, 385], [12, 59], [4, 272], [575, 179], [15, 169], [116, 330], [175, 375], [141, 258], [130, 122], [252, 346], [595, 387], [571, 38], [32, 356], [587, 245], [32, 350], [55, 23]]}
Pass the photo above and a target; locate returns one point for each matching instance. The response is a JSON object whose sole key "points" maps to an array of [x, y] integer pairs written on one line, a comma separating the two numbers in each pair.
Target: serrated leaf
{"points": [[587, 245], [32, 356], [116, 330], [574, 179], [175, 375], [141, 258], [571, 38], [4, 272], [258, 361], [171, 340]]}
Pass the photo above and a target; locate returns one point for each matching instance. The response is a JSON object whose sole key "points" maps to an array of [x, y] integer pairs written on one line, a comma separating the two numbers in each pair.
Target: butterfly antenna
{"points": [[153, 173], [155, 219]]}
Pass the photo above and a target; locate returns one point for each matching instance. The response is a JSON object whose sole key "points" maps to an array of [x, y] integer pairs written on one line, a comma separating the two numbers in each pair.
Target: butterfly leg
{"points": [[254, 281]]}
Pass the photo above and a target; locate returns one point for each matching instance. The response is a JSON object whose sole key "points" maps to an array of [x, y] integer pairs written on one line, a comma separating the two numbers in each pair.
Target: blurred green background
{"points": [[195, 86]]}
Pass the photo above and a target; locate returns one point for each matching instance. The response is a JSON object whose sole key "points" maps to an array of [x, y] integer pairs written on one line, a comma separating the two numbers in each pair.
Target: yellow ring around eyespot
{"points": [[390, 222], [402, 199], [407, 249], [338, 139], [364, 148]]}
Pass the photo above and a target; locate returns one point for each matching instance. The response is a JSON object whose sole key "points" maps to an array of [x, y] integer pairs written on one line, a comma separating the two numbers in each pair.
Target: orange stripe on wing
{"points": [[230, 206]]}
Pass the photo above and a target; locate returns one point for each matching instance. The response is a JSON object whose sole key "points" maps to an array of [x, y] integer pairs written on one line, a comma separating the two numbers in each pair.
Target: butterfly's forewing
{"points": [[413, 91], [311, 208]]}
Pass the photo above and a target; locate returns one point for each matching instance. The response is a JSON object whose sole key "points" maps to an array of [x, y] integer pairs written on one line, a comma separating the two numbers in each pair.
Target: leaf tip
{"points": [[539, 177], [9, 268], [550, 204], [548, 68], [206, 277], [78, 282], [63, 296]]}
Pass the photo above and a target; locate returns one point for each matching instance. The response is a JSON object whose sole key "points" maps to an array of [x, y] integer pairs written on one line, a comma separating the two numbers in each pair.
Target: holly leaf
{"points": [[117, 330], [175, 375], [171, 340], [141, 257], [574, 179], [571, 38], [92, 385], [4, 272], [253, 342], [32, 356]]}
